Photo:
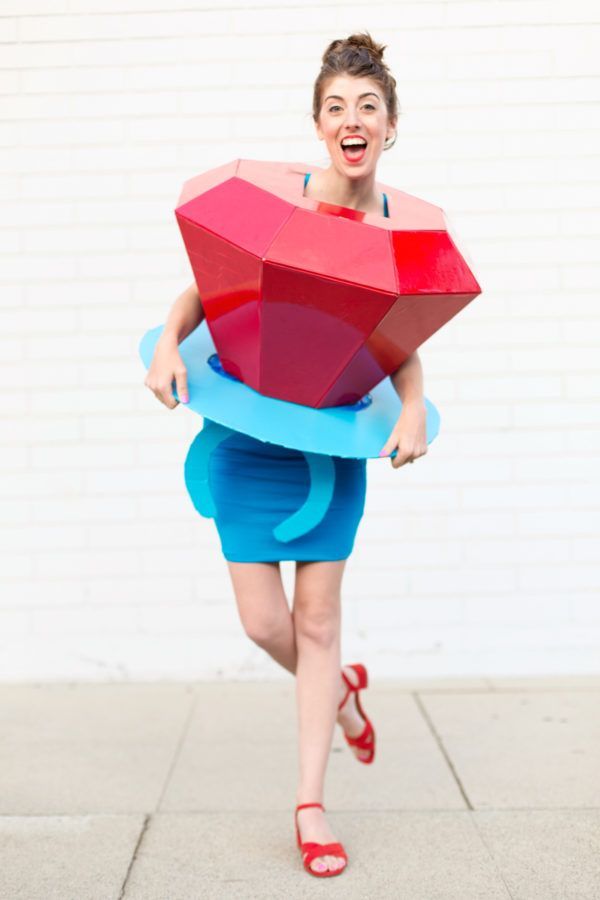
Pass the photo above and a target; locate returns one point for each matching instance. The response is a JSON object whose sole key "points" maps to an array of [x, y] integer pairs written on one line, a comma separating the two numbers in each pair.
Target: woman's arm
{"points": [[186, 314], [409, 435], [167, 365], [408, 380]]}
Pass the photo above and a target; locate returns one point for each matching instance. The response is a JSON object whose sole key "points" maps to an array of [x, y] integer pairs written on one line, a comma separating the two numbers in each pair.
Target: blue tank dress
{"points": [[256, 485]]}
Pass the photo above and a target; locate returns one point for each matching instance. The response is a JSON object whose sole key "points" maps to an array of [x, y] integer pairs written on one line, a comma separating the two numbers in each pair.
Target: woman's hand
{"points": [[166, 366], [409, 436]]}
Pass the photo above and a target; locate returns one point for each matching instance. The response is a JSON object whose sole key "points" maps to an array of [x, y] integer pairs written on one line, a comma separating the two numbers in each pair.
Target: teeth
{"points": [[354, 142]]}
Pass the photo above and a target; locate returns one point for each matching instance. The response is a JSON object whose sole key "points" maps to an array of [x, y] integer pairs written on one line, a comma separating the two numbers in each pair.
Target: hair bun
{"points": [[362, 41]]}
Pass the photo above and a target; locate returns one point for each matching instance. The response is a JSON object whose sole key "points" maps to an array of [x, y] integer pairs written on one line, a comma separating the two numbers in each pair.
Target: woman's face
{"points": [[354, 106]]}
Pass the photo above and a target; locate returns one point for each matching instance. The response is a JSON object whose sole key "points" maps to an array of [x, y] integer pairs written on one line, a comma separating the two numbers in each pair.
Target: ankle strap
{"points": [[305, 805]]}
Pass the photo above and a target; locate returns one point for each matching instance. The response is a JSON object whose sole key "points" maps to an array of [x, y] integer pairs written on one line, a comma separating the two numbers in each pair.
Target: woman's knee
{"points": [[261, 600], [263, 627], [317, 618]]}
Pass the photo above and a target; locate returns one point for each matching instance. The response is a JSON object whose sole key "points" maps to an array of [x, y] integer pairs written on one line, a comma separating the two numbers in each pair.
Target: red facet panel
{"points": [[239, 212], [429, 263], [410, 321], [360, 374], [340, 249], [228, 281], [310, 327]]}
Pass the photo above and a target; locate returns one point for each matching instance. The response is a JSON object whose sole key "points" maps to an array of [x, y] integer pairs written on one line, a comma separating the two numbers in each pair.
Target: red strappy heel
{"points": [[310, 850], [365, 740]]}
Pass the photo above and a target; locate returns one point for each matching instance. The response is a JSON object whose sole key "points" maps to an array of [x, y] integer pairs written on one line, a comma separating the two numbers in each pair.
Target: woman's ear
{"points": [[391, 128]]}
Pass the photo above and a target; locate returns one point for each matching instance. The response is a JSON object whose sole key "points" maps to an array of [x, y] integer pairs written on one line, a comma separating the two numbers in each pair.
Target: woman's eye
{"points": [[366, 106]]}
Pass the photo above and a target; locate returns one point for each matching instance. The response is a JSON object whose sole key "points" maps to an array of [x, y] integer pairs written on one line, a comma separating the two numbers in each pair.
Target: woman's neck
{"points": [[331, 186]]}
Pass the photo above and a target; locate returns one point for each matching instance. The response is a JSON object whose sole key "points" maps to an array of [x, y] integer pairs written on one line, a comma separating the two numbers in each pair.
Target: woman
{"points": [[254, 483]]}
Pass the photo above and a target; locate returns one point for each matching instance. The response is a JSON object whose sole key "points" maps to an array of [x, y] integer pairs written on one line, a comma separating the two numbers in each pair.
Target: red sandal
{"points": [[310, 850], [365, 740]]}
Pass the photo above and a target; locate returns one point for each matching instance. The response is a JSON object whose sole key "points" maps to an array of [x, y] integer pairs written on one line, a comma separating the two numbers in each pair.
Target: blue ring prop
{"points": [[358, 431]]}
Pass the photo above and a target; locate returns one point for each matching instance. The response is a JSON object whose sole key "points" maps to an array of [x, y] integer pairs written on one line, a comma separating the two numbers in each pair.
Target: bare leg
{"points": [[266, 617], [264, 609], [317, 620]]}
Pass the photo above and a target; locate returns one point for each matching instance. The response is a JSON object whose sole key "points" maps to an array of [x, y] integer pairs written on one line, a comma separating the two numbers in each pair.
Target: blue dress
{"points": [[256, 485]]}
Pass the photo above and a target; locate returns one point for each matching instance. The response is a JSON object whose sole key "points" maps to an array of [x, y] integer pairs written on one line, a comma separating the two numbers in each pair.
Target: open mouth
{"points": [[354, 149]]}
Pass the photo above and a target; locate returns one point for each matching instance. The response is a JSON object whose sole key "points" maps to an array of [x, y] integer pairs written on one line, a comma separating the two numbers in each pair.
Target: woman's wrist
{"points": [[415, 402], [170, 335]]}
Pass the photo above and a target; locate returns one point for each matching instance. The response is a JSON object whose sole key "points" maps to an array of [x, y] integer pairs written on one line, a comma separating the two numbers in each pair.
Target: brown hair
{"points": [[360, 56]]}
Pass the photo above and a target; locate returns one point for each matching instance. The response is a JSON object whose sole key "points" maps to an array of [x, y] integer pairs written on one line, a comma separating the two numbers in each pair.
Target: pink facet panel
{"points": [[239, 212], [199, 184]]}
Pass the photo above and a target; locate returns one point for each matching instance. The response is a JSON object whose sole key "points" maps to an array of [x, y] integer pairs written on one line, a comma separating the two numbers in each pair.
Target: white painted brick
{"points": [[585, 607], [104, 108], [557, 577], [85, 509], [14, 623], [77, 294], [86, 563], [469, 14], [564, 414], [16, 565], [563, 521], [38, 484], [517, 609], [112, 592], [31, 538], [38, 430], [88, 456], [510, 497], [518, 551], [89, 620], [14, 511]]}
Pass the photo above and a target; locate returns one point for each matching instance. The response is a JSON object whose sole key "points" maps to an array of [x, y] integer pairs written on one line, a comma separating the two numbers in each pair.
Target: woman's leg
{"points": [[264, 609], [267, 620], [317, 623]]}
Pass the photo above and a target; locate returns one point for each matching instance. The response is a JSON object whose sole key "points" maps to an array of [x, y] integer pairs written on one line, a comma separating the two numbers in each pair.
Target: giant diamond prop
{"points": [[311, 302]]}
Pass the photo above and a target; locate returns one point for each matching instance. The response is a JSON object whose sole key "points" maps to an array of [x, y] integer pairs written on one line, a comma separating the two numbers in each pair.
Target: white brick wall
{"points": [[483, 557]]}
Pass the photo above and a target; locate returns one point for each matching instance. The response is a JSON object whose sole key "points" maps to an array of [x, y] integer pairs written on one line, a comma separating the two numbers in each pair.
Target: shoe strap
{"points": [[348, 692], [364, 741], [352, 688], [306, 805], [310, 851]]}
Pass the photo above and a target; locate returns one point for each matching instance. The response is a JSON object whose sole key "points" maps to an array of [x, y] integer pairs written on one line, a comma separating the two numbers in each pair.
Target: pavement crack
{"points": [[438, 739], [143, 829]]}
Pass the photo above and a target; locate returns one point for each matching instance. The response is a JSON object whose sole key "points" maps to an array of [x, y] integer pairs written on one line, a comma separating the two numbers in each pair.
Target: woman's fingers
{"points": [[181, 382], [166, 371], [162, 392], [165, 395]]}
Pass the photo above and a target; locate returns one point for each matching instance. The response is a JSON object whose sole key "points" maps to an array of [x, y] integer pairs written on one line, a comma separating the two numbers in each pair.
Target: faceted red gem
{"points": [[308, 301]]}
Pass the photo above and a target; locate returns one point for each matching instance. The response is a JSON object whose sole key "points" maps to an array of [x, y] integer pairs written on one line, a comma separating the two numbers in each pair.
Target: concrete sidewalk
{"points": [[480, 789]]}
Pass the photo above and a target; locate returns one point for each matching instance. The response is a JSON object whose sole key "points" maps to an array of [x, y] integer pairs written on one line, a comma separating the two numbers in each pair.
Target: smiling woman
{"points": [[355, 111], [298, 318]]}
